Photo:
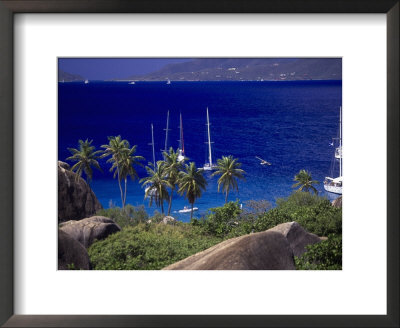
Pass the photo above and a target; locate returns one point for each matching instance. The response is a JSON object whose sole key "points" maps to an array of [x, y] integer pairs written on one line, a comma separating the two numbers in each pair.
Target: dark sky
{"points": [[113, 68]]}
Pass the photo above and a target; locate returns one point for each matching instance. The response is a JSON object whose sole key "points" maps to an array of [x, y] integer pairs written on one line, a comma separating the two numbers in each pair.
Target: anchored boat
{"points": [[334, 185], [181, 149]]}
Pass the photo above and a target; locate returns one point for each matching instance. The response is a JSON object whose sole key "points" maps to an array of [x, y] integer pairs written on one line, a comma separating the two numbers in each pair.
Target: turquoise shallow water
{"points": [[290, 124]]}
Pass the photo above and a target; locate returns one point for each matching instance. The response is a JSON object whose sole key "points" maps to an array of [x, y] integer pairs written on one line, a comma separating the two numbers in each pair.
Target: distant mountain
{"points": [[68, 77], [248, 69]]}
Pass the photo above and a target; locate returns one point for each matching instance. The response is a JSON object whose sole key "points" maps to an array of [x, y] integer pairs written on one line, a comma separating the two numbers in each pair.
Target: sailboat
{"points": [[86, 81], [181, 149], [334, 185], [152, 192], [168, 81], [209, 165]]}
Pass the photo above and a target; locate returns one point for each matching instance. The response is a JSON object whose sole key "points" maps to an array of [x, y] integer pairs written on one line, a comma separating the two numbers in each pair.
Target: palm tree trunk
{"points": [[191, 213], [125, 193], [170, 201], [120, 188], [226, 196]]}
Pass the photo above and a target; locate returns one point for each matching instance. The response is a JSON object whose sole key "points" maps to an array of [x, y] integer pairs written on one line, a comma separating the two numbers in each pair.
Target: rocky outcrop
{"points": [[273, 249], [297, 237], [75, 198], [266, 250], [71, 253], [337, 202], [88, 230]]}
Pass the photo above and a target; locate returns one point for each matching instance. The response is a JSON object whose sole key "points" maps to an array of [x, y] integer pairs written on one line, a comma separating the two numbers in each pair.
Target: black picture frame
{"points": [[7, 201]]}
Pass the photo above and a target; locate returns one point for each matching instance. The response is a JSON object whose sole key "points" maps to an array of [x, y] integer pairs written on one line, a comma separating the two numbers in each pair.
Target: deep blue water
{"points": [[290, 124]]}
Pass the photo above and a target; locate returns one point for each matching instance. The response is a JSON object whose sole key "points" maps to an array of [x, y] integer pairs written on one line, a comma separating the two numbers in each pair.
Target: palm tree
{"points": [[86, 157], [156, 185], [191, 183], [229, 170], [305, 181], [116, 148], [172, 169], [127, 163]]}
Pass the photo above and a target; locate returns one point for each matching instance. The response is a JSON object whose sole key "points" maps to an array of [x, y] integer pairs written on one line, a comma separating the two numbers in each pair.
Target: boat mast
{"points": [[152, 143], [209, 139], [340, 143], [182, 145], [166, 134]]}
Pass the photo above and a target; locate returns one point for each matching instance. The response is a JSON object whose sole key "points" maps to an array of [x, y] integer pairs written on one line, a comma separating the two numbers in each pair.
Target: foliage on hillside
{"points": [[148, 247]]}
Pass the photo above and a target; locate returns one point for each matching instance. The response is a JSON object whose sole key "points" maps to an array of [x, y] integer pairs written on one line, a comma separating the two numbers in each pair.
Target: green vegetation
{"points": [[326, 255], [129, 216], [229, 171], [313, 213], [144, 243], [172, 168], [305, 182], [148, 247], [191, 183], [156, 184], [86, 157]]}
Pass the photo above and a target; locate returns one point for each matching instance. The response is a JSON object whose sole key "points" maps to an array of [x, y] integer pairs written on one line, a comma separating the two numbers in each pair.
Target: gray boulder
{"points": [[75, 198], [71, 253], [168, 219], [297, 237], [273, 249], [267, 250], [337, 202], [86, 231]]}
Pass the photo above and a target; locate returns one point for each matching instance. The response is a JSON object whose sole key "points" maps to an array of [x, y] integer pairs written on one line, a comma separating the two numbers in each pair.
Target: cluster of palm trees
{"points": [[163, 179]]}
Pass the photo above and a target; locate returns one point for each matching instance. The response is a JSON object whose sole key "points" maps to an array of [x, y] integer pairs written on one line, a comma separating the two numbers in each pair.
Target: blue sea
{"points": [[290, 124]]}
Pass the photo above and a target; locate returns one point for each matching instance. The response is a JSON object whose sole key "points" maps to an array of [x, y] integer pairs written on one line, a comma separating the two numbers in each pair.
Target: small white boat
{"points": [[168, 81], [188, 210], [133, 82], [334, 185], [86, 81], [209, 166], [263, 161]]}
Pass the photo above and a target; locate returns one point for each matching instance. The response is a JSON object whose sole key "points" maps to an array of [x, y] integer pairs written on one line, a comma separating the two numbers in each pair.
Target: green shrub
{"points": [[326, 255], [148, 247], [130, 216], [312, 212], [221, 221]]}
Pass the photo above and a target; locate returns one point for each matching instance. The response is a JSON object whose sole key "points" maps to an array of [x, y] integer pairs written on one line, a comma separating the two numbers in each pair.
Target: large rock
{"points": [[71, 253], [337, 202], [86, 231], [168, 219], [273, 249], [75, 198], [267, 250], [297, 237]]}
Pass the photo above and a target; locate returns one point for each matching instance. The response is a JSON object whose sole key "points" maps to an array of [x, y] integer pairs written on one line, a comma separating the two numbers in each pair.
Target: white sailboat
{"points": [[334, 185], [86, 81], [168, 81], [181, 149], [209, 165]]}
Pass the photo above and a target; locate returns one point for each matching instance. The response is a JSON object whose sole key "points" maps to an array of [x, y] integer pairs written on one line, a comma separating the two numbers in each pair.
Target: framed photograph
{"points": [[293, 94]]}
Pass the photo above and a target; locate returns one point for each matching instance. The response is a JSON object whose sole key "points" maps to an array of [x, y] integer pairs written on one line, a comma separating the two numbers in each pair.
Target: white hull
{"points": [[333, 189], [207, 167], [188, 210]]}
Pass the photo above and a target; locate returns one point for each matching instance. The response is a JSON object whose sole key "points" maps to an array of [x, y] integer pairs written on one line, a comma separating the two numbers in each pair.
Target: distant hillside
{"points": [[253, 69], [68, 77]]}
